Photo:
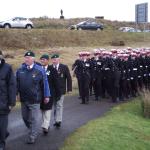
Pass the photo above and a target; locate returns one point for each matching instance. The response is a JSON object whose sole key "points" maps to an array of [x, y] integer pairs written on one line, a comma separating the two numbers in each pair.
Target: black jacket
{"points": [[64, 78], [54, 86], [7, 87]]}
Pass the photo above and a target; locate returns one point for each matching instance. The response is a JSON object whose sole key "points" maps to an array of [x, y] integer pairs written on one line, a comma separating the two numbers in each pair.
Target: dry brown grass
{"points": [[49, 33], [49, 38]]}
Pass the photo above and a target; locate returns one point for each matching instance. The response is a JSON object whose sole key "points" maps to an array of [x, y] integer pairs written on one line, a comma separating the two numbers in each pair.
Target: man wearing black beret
{"points": [[32, 87]]}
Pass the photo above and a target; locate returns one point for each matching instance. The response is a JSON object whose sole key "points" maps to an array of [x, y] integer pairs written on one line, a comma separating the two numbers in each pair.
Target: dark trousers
{"points": [[79, 87], [124, 91], [98, 87], [84, 82], [134, 88], [3, 129]]}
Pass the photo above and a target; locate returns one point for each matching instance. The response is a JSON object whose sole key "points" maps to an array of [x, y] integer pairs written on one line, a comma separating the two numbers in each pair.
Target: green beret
{"points": [[29, 53], [55, 56], [45, 56]]}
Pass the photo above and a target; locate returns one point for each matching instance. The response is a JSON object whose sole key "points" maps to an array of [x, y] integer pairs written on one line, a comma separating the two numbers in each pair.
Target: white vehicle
{"points": [[17, 22], [125, 29]]}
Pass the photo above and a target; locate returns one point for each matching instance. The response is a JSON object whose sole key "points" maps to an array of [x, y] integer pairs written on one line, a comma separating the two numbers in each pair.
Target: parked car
{"points": [[87, 25], [17, 22], [146, 30], [134, 30], [125, 29]]}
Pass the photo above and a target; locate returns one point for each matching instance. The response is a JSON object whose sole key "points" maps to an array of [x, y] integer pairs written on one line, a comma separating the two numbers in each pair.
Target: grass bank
{"points": [[45, 38], [124, 128]]}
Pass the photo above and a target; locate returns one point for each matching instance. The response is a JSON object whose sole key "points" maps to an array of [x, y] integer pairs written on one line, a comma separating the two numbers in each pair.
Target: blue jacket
{"points": [[32, 85]]}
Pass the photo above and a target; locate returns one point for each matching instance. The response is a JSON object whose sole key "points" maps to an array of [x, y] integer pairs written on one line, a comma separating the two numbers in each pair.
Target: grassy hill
{"points": [[53, 34]]}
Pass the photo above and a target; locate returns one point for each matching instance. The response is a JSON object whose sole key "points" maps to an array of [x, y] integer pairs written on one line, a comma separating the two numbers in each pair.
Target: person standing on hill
{"points": [[7, 98], [65, 82]]}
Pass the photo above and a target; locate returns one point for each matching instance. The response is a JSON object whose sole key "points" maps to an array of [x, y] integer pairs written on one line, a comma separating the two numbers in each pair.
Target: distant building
{"points": [[99, 17], [141, 13]]}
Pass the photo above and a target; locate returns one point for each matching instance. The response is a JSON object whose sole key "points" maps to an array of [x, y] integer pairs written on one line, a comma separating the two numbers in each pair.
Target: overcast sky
{"points": [[121, 10]]}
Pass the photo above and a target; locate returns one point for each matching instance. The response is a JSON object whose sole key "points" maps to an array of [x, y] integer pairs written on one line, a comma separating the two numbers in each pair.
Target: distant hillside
{"points": [[54, 33], [61, 24]]}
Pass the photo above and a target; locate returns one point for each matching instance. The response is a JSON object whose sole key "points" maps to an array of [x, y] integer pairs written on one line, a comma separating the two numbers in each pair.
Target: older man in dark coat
{"points": [[54, 86], [7, 97], [65, 82]]}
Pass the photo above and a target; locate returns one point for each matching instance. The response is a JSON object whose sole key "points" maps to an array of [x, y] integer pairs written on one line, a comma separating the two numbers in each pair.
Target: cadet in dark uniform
{"points": [[111, 77], [97, 74], [7, 97], [76, 72], [124, 91], [83, 70], [133, 66], [46, 107]]}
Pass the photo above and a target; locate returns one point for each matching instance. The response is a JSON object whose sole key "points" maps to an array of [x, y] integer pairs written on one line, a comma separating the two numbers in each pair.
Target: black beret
{"points": [[55, 56], [29, 53], [45, 56]]}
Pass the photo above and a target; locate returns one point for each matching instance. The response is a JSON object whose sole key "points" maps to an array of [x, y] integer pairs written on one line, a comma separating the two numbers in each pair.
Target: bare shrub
{"points": [[146, 103], [117, 43]]}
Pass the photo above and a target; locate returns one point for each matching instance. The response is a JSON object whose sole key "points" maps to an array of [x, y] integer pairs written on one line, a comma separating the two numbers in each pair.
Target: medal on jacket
{"points": [[48, 72], [58, 71], [61, 75], [33, 75]]}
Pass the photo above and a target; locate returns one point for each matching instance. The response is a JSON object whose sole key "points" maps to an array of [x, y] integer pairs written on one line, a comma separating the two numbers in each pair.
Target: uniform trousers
{"points": [[58, 109], [46, 117]]}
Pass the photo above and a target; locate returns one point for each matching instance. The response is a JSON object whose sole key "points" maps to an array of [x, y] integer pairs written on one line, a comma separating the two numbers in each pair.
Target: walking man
{"points": [[65, 82], [7, 98], [52, 77], [32, 86]]}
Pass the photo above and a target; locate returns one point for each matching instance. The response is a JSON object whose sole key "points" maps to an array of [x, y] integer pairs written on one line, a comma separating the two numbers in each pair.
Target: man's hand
{"points": [[10, 107], [46, 100], [17, 97]]}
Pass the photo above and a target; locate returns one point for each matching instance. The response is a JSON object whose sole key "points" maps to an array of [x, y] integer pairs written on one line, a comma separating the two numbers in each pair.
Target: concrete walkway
{"points": [[75, 115]]}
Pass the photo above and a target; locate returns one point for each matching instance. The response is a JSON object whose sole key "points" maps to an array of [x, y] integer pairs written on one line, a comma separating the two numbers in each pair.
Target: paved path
{"points": [[75, 115]]}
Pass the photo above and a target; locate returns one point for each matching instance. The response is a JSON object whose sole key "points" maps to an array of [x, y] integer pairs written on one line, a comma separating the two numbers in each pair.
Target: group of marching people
{"points": [[117, 73], [39, 86]]}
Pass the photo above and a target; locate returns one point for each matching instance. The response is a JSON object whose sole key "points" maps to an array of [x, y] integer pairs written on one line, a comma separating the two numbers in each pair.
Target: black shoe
{"points": [[57, 124], [30, 140], [45, 131]]}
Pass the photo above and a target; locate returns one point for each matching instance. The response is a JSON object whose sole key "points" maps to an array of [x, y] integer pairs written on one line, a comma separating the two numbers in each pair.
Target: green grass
{"points": [[124, 128]]}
